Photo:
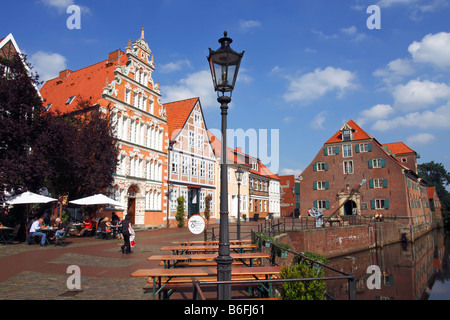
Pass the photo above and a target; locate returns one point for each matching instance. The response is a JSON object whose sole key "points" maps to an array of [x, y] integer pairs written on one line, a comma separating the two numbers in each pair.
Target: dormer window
{"points": [[346, 135], [47, 107], [69, 101]]}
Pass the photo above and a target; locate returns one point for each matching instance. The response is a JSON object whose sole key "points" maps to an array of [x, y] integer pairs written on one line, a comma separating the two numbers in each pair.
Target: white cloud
{"points": [[61, 5], [395, 71], [288, 172], [437, 119], [48, 65], [433, 49], [198, 84], [377, 112], [419, 94], [420, 139], [319, 119], [389, 3], [174, 66], [246, 25], [288, 120], [315, 84]]}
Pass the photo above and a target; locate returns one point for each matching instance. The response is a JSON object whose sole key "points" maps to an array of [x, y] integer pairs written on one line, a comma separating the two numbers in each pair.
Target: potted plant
{"points": [[180, 212]]}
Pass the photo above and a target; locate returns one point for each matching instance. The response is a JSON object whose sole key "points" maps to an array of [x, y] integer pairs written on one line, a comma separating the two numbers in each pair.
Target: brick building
{"points": [[192, 158], [123, 85], [290, 198], [354, 174]]}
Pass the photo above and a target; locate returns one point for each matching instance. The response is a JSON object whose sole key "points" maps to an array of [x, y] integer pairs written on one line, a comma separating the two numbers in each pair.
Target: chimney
{"points": [[64, 74]]}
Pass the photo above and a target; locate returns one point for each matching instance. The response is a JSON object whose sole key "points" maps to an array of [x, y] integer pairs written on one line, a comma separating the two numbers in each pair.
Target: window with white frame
{"points": [[184, 165], [194, 169], [322, 166], [174, 168], [200, 141], [173, 199], [348, 166], [191, 139], [347, 150], [378, 183], [184, 194], [202, 200], [202, 169], [211, 171]]}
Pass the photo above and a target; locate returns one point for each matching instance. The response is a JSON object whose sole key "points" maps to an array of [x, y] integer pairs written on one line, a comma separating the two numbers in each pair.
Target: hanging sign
{"points": [[196, 224]]}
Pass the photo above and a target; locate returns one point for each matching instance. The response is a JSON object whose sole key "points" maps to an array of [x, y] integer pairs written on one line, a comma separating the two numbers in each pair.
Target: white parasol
{"points": [[28, 198], [98, 199]]}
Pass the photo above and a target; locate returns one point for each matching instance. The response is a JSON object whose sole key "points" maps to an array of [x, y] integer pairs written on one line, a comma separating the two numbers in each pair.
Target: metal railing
{"points": [[268, 283]]}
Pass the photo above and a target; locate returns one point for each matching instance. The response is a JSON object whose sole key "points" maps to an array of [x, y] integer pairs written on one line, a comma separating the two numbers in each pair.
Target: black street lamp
{"points": [[239, 172], [224, 64]]}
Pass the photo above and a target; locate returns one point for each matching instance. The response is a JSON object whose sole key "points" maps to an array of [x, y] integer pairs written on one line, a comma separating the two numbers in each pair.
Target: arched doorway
{"points": [[350, 208], [131, 208]]}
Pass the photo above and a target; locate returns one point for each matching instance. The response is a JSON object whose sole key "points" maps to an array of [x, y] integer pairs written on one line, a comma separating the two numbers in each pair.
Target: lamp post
{"points": [[239, 172], [224, 64]]}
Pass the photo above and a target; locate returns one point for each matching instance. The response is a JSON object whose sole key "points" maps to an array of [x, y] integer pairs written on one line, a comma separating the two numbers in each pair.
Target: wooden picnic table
{"points": [[205, 248], [205, 243], [167, 259], [162, 278]]}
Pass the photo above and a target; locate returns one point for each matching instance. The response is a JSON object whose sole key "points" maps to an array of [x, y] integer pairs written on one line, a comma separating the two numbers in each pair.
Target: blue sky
{"points": [[309, 66]]}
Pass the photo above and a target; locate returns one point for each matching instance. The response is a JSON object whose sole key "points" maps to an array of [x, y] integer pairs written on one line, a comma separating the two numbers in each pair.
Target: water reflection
{"points": [[408, 271]]}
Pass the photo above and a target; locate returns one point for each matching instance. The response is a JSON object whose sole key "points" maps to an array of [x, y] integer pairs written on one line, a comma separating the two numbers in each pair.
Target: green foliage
{"points": [[208, 200], [303, 290], [180, 212]]}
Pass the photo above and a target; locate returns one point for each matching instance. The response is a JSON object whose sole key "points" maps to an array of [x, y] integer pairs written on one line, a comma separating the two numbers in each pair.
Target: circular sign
{"points": [[196, 224]]}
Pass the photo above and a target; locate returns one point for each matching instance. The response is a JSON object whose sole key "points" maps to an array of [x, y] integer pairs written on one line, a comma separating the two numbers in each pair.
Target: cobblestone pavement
{"points": [[40, 273]]}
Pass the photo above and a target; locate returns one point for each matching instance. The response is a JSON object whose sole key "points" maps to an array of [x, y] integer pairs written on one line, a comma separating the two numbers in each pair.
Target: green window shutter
{"points": [[315, 204], [371, 183], [383, 163], [315, 185], [327, 185], [336, 150], [370, 164], [326, 166], [357, 148], [385, 183], [327, 204], [325, 151], [372, 204], [315, 166], [370, 147], [386, 204]]}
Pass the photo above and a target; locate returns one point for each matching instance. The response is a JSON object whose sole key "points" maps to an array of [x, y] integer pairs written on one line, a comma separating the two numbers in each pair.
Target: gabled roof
{"points": [[8, 46], [398, 148], [264, 171], [84, 83], [178, 113], [358, 133]]}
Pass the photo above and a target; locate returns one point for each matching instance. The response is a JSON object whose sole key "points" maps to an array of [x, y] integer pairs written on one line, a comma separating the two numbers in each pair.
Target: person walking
{"points": [[127, 231]]}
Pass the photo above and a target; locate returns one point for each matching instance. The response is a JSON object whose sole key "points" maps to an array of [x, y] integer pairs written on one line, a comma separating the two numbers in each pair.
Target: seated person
{"points": [[35, 230], [105, 225], [61, 228], [87, 226]]}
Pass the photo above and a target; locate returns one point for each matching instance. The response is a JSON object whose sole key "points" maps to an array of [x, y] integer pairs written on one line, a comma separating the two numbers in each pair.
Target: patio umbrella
{"points": [[98, 199], [28, 198]]}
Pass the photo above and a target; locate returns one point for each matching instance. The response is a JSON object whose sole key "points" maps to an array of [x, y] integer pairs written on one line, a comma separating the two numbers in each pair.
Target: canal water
{"points": [[412, 271]]}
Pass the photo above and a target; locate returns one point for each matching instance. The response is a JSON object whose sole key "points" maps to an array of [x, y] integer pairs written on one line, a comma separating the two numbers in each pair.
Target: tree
{"points": [[80, 151], [180, 212], [20, 110], [437, 176]]}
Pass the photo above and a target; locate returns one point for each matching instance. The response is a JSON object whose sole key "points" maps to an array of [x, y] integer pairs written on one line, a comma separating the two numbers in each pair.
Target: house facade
{"points": [[192, 170], [290, 195], [122, 85], [353, 174]]}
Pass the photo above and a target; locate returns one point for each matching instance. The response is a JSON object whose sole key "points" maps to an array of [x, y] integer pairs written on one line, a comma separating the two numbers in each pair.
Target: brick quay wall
{"points": [[338, 241]]}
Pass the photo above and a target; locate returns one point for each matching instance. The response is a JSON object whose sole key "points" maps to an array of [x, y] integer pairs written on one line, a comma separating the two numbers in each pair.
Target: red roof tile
{"points": [[85, 83], [358, 133], [398, 148], [178, 113]]}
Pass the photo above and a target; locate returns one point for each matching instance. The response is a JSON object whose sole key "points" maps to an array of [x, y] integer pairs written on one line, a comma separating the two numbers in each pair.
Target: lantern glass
{"points": [[224, 64], [239, 173]]}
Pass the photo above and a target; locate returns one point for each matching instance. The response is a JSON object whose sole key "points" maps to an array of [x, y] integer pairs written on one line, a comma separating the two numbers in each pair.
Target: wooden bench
{"points": [[163, 278]]}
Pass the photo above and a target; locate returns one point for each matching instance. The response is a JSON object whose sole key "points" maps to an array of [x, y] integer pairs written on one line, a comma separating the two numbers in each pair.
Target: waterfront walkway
{"points": [[35, 272]]}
